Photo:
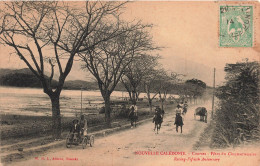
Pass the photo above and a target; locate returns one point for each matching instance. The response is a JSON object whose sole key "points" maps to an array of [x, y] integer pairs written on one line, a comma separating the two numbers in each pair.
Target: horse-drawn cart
{"points": [[202, 112], [76, 139]]}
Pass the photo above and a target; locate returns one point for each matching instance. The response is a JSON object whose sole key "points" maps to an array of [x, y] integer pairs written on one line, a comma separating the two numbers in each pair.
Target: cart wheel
{"points": [[68, 144], [91, 140], [84, 142]]}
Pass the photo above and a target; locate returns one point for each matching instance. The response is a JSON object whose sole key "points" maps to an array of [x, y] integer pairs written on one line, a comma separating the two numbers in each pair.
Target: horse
{"points": [[178, 122], [202, 112], [157, 122], [133, 118]]}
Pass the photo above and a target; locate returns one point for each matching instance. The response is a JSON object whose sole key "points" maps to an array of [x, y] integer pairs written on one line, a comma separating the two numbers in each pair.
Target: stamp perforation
{"points": [[242, 29]]}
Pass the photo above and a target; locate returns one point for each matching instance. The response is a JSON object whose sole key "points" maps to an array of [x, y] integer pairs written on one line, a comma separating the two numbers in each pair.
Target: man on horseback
{"points": [[133, 115], [178, 110], [178, 118], [158, 112], [158, 117], [185, 108]]}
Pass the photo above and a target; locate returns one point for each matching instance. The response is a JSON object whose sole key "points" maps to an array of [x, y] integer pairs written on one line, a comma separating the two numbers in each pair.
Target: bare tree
{"points": [[165, 82], [135, 72], [50, 34], [159, 82], [108, 60], [149, 82]]}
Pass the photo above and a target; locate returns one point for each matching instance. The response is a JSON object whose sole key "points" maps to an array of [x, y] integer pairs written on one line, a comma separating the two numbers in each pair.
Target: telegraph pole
{"points": [[81, 101], [212, 112]]}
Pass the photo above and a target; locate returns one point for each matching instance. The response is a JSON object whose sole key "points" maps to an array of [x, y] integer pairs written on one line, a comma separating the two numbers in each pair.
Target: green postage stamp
{"points": [[236, 26]]}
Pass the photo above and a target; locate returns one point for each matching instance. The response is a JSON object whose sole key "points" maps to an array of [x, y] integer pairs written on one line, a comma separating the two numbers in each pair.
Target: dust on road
{"points": [[121, 148]]}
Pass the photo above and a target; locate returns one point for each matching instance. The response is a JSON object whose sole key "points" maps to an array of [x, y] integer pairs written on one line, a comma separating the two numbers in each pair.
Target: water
{"points": [[34, 102]]}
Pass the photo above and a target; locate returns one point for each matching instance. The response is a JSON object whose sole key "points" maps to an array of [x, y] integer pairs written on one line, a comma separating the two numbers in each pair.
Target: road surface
{"points": [[137, 146]]}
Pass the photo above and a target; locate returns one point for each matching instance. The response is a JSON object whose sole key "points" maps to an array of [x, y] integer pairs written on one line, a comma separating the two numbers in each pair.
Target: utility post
{"points": [[212, 112], [81, 100]]}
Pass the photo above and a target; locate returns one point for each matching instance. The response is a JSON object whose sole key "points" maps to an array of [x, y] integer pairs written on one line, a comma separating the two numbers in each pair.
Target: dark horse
{"points": [[133, 118], [178, 122], [202, 112], [157, 122]]}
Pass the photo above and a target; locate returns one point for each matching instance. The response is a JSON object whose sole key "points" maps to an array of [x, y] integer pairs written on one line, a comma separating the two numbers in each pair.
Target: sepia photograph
{"points": [[129, 83]]}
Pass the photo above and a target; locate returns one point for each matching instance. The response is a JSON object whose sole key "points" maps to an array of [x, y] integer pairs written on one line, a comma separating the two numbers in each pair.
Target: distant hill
{"points": [[20, 78], [25, 78], [78, 84]]}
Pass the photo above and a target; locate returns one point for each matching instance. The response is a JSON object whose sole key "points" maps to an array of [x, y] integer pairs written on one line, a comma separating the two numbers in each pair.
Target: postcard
{"points": [[143, 83]]}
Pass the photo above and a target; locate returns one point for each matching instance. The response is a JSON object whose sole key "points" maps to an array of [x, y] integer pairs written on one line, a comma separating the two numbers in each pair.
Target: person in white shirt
{"points": [[178, 110], [178, 118]]}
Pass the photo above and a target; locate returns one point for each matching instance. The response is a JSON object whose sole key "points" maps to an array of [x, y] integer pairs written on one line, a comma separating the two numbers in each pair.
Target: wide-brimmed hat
{"points": [[178, 105]]}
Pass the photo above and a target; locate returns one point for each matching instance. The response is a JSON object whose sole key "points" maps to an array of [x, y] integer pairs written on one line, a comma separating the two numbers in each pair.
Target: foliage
{"points": [[238, 117], [197, 87], [135, 73], [54, 34], [107, 61], [161, 83]]}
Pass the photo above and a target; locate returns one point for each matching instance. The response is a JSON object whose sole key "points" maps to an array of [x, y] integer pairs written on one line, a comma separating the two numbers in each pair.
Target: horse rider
{"points": [[178, 110], [181, 104], [185, 107], [178, 118], [133, 114], [158, 112]]}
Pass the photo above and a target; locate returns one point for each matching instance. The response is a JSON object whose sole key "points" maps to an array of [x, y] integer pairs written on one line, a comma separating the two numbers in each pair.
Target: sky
{"points": [[188, 31]]}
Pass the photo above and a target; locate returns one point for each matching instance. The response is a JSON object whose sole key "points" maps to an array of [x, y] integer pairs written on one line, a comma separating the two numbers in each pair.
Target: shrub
{"points": [[237, 118]]}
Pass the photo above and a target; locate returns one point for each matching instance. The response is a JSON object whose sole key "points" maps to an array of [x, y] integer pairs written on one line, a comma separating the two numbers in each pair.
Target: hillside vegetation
{"points": [[25, 78], [238, 116]]}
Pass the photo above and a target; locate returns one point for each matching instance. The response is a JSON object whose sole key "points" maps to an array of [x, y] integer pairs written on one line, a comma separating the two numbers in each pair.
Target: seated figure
{"points": [[83, 126], [75, 128]]}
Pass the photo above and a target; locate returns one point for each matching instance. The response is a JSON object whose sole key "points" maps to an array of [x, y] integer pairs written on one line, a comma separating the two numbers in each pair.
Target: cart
{"points": [[76, 139]]}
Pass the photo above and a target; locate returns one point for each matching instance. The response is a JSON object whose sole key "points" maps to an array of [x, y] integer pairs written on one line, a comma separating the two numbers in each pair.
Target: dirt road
{"points": [[141, 146], [121, 148]]}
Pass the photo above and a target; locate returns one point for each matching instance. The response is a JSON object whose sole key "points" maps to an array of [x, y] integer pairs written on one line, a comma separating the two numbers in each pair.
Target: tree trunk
{"points": [[107, 110], [133, 97], [162, 104], [56, 118], [150, 105], [130, 95], [161, 100], [137, 96]]}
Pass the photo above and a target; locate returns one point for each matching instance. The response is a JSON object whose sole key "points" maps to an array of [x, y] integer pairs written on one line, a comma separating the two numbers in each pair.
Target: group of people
{"points": [[79, 127]]}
